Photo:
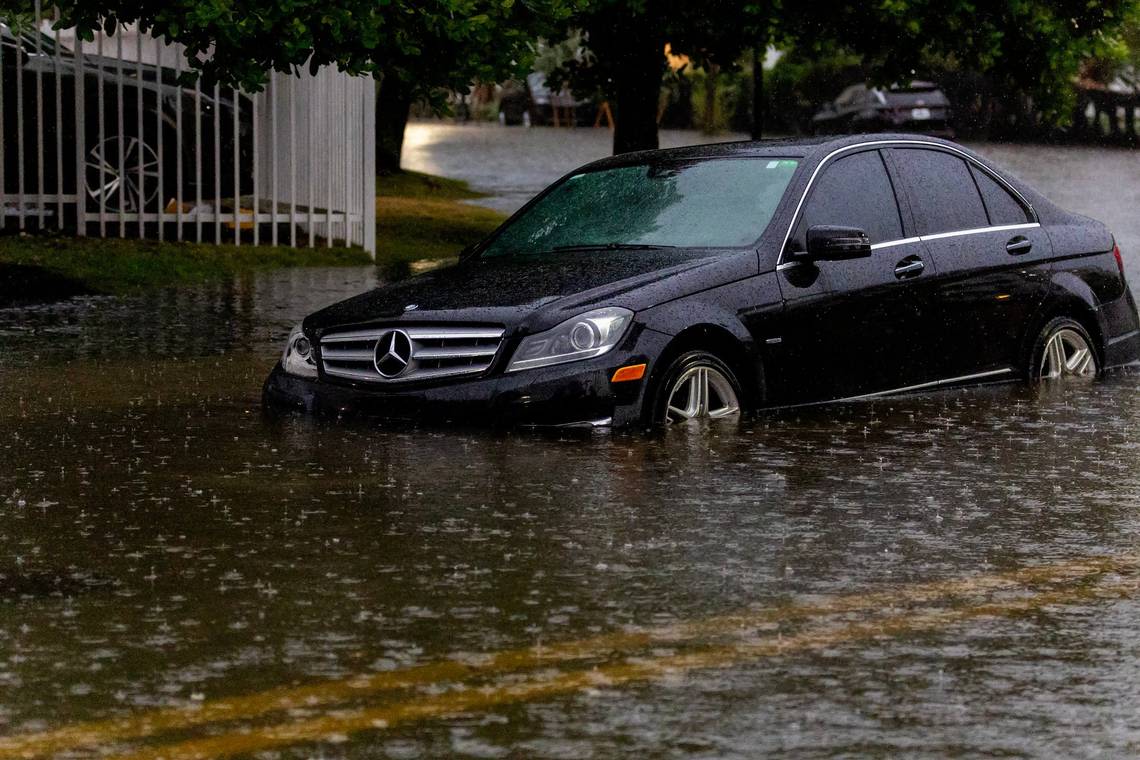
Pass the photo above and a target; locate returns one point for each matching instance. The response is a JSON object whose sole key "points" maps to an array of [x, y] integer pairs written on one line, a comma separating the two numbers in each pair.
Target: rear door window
{"points": [[1001, 206], [942, 190], [854, 191]]}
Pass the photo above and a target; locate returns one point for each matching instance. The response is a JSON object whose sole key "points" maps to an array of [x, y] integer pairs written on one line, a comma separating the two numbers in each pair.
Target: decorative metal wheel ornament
{"points": [[124, 190]]}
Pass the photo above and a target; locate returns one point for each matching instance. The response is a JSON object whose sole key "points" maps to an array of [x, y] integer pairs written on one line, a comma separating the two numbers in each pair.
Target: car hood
{"points": [[511, 291]]}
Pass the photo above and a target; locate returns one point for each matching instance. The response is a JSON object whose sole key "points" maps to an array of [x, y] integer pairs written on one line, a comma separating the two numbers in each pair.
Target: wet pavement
{"points": [[953, 573]]}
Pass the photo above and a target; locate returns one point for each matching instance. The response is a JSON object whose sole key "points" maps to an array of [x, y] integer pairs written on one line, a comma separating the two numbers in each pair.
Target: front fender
{"points": [[726, 306], [723, 320]]}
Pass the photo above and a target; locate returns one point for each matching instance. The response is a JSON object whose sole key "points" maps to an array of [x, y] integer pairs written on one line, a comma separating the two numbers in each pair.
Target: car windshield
{"points": [[28, 39], [710, 203]]}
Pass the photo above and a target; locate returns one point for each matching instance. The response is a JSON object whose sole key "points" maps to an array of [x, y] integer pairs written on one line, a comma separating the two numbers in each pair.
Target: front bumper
{"points": [[575, 393]]}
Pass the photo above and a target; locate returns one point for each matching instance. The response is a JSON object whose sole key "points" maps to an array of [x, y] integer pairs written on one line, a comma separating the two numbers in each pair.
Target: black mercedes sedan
{"points": [[703, 282]]}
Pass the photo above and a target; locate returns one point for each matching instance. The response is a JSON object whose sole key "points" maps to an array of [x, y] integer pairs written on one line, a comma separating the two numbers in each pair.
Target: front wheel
{"points": [[1063, 352], [697, 385]]}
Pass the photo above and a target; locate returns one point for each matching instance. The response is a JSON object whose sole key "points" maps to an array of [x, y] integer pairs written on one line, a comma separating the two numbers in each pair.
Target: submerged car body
{"points": [[699, 281]]}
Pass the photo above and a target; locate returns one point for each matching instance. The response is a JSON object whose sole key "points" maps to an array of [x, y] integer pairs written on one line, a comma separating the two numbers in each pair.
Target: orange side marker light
{"points": [[626, 374]]}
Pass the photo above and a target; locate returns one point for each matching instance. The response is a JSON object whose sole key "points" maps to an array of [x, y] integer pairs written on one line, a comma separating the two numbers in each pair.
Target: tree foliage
{"points": [[626, 40], [1027, 50], [430, 44]]}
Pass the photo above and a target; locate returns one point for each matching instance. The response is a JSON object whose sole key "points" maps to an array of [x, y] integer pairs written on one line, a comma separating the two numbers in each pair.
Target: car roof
{"points": [[811, 149]]}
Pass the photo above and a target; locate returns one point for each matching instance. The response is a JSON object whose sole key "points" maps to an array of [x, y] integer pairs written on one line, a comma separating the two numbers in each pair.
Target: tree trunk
{"points": [[393, 105], [638, 91], [758, 53], [711, 74]]}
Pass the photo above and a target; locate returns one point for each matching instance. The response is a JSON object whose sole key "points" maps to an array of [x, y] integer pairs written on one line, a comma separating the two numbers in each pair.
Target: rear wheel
{"points": [[697, 386], [1064, 352]]}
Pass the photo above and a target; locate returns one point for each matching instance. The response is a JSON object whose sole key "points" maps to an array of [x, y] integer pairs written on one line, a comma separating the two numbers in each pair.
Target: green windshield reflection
{"points": [[711, 203]]}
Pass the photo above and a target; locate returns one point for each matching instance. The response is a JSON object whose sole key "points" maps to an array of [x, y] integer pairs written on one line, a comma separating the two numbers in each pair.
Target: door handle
{"points": [[1018, 245], [911, 266]]}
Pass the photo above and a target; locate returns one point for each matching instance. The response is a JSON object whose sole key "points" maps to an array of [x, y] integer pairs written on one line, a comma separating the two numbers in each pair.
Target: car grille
{"points": [[435, 352]]}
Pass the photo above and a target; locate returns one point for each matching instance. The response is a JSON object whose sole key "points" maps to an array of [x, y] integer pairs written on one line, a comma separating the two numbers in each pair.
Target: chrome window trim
{"points": [[936, 236], [978, 230], [893, 243], [925, 143]]}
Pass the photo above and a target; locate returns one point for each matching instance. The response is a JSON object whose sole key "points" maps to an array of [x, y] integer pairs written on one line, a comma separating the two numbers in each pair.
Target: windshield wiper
{"points": [[609, 247]]}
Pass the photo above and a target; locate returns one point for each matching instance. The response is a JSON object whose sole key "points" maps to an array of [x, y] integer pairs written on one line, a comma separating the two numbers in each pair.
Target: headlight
{"points": [[298, 357], [584, 337]]}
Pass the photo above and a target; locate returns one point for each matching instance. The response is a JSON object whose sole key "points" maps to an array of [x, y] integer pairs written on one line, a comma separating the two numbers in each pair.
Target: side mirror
{"points": [[826, 242]]}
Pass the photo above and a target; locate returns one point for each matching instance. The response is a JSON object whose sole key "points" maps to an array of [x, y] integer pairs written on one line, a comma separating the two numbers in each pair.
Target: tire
{"points": [[1063, 352], [697, 385]]}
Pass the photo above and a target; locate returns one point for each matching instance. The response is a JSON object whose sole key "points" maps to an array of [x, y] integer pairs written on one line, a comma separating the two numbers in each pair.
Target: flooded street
{"points": [[951, 573]]}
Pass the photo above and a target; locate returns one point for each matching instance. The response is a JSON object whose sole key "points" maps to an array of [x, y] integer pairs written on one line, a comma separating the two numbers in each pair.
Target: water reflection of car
{"points": [[533, 103], [30, 56], [916, 107], [698, 282]]}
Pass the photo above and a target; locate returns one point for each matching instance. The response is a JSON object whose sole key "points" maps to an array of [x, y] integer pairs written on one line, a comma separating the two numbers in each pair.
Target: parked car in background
{"points": [[532, 102], [915, 107], [514, 103], [122, 150], [695, 283]]}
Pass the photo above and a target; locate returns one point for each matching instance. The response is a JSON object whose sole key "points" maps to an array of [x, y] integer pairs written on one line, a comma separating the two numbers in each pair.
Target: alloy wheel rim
{"points": [[1067, 355], [121, 191], [701, 392]]}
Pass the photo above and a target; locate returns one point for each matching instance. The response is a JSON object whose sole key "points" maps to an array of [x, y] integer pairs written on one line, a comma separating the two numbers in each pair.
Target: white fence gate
{"points": [[104, 139]]}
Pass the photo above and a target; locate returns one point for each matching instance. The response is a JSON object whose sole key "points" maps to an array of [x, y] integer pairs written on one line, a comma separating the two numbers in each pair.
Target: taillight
{"points": [[1119, 258]]}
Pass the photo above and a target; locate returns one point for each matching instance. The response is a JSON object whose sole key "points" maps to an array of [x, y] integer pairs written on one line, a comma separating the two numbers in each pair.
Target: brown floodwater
{"points": [[951, 573]]}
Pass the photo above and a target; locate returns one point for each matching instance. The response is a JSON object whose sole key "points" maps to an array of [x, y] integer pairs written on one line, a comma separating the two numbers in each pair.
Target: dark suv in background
{"points": [[915, 107]]}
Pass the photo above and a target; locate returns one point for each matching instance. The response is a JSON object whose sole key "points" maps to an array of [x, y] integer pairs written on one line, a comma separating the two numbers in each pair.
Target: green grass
{"points": [[419, 217], [116, 265], [418, 185]]}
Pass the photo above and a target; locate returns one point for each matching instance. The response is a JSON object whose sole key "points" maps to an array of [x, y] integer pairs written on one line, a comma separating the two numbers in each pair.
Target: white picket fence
{"points": [[101, 138]]}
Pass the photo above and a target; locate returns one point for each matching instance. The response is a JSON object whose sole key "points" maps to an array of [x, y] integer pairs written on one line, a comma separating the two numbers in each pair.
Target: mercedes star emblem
{"points": [[393, 353]]}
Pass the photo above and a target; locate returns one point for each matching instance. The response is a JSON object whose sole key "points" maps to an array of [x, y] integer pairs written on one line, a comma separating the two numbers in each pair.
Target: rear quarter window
{"points": [[942, 190], [1001, 206]]}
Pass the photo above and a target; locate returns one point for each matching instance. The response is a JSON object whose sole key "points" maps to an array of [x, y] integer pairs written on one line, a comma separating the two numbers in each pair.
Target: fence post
{"points": [[39, 118], [3, 127], [80, 141], [57, 68], [369, 194]]}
